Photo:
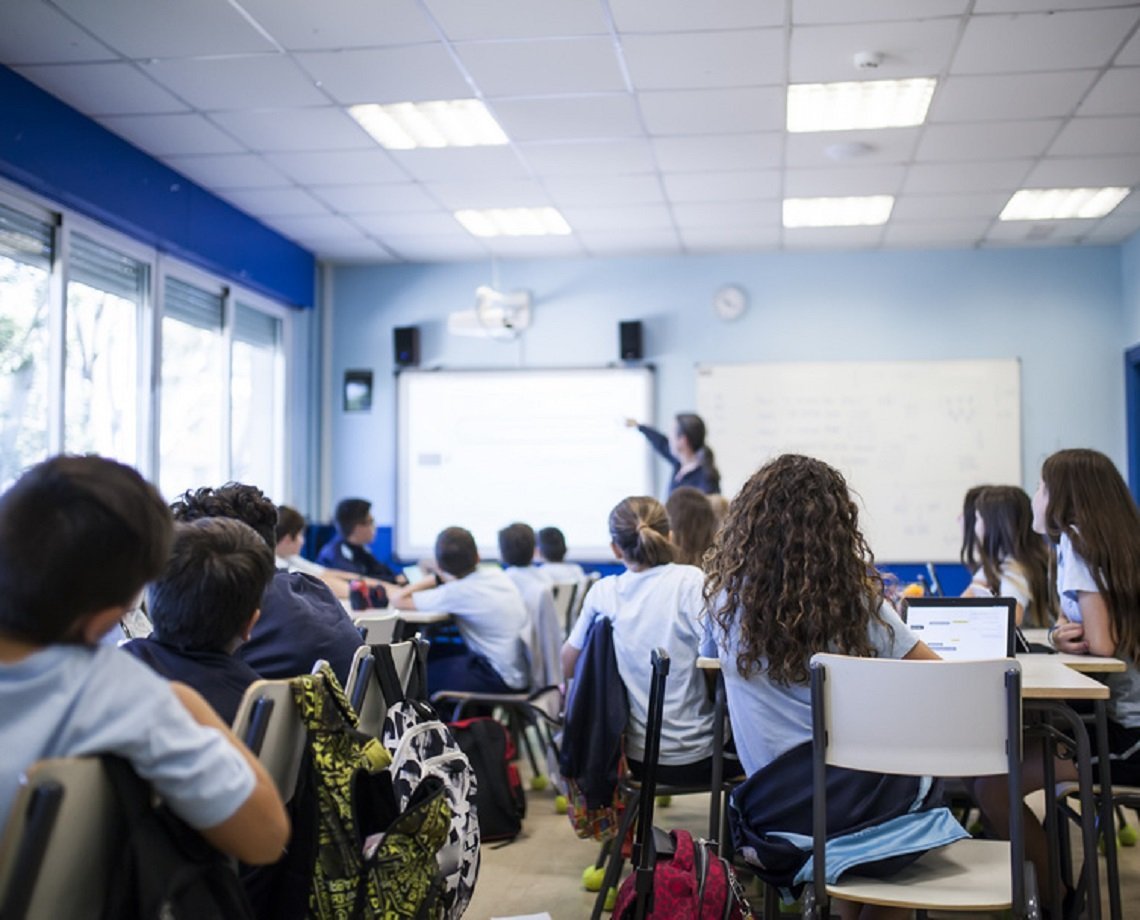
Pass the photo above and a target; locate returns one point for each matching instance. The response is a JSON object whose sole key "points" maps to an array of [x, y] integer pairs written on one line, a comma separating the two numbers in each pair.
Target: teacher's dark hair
{"points": [[692, 427]]}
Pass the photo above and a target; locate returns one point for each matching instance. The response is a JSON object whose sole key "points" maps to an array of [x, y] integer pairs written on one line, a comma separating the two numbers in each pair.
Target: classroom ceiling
{"points": [[654, 126]]}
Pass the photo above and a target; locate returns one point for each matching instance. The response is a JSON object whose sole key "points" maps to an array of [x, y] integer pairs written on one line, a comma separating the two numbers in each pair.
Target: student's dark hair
{"points": [[692, 523], [1089, 502], [77, 535], [692, 426], [247, 504], [791, 570], [213, 582], [290, 522], [968, 554], [516, 544], [639, 528], [455, 551], [350, 512], [1007, 519], [552, 544]]}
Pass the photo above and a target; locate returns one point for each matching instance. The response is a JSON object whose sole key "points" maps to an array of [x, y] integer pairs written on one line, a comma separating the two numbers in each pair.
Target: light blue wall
{"points": [[1058, 310], [1130, 270]]}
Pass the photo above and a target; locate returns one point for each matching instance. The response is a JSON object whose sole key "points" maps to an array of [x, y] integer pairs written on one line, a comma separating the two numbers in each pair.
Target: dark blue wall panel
{"points": [[53, 150]]}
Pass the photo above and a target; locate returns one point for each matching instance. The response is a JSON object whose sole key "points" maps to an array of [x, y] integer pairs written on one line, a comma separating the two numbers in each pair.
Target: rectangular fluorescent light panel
{"points": [[445, 123], [514, 222], [864, 104], [1062, 203], [869, 211]]}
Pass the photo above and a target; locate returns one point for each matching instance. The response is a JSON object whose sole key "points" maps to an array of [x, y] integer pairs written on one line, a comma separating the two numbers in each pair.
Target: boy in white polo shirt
{"points": [[488, 611]]}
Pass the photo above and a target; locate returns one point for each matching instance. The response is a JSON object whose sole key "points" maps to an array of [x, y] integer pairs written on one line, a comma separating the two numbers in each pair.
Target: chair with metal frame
{"points": [[269, 723], [365, 686]]}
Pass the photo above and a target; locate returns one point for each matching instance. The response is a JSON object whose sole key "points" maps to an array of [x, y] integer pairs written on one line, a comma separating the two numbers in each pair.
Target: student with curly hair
{"points": [[789, 575]]}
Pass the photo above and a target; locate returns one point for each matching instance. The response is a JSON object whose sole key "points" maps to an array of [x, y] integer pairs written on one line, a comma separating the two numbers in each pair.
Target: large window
{"points": [[257, 384], [25, 267]]}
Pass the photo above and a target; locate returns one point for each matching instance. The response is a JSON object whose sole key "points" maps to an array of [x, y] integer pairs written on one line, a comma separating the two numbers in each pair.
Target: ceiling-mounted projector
{"points": [[497, 315]]}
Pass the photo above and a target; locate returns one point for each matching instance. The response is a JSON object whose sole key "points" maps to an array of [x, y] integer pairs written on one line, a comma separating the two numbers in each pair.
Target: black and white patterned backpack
{"points": [[421, 745]]}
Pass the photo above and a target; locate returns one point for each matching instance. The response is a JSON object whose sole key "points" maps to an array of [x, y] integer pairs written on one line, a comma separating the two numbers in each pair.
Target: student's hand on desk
{"points": [[1070, 638]]}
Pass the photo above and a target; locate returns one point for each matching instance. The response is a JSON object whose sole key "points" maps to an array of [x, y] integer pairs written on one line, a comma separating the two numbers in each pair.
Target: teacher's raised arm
{"points": [[691, 458]]}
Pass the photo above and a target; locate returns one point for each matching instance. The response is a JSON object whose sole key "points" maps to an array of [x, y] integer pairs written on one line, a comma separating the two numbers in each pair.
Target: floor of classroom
{"points": [[541, 870]]}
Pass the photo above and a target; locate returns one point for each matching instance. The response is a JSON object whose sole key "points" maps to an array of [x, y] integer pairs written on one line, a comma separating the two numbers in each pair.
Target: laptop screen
{"points": [[963, 628]]}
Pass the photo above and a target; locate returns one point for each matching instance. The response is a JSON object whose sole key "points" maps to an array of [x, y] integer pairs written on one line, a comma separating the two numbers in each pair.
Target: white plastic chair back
{"points": [[379, 628], [283, 744], [373, 708], [941, 718], [564, 593], [584, 587]]}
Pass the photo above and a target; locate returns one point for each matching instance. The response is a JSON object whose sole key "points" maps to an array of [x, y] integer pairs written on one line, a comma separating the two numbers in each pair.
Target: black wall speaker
{"points": [[629, 340], [406, 346]]}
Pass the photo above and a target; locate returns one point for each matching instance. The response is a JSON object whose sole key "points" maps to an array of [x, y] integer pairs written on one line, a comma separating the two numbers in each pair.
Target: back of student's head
{"points": [[792, 571], [968, 552], [1007, 533], [349, 513], [639, 528], [78, 535], [212, 584], [247, 504], [692, 523], [290, 522], [455, 551], [552, 544], [516, 544]]}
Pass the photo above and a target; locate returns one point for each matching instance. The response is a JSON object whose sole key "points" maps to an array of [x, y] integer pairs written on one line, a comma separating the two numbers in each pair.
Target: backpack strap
{"points": [[386, 676], [418, 683]]}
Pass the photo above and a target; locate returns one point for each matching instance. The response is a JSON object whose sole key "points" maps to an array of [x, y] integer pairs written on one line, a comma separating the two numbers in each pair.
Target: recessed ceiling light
{"points": [[868, 211], [1062, 203], [514, 222], [861, 104], [444, 123]]}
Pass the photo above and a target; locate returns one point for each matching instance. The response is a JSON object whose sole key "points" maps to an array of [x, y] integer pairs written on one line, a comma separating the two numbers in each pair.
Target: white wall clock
{"points": [[730, 302]]}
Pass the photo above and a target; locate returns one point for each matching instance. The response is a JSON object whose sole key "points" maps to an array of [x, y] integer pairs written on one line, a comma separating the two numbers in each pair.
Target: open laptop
{"points": [[964, 628]]}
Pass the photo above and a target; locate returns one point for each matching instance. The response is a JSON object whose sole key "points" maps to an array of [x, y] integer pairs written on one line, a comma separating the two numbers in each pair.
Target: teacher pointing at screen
{"points": [[685, 449]]}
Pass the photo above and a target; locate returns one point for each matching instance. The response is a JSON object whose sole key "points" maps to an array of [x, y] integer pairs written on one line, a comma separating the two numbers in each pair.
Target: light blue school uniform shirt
{"points": [[769, 718], [491, 617], [562, 573], [543, 634], [72, 700], [1073, 577], [657, 608]]}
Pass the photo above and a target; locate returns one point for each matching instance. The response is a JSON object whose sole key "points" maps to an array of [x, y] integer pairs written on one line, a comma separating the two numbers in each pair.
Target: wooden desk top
{"points": [[423, 616], [1089, 664]]}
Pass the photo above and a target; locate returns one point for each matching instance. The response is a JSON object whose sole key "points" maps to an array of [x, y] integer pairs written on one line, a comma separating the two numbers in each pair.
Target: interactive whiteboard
{"points": [[910, 436], [482, 449]]}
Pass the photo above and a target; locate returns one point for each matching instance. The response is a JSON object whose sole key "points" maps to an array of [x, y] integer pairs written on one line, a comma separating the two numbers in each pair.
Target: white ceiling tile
{"points": [[543, 67], [163, 135], [996, 97], [729, 239], [348, 252], [816, 12], [953, 234], [1129, 55], [991, 140], [1034, 6], [460, 247], [722, 186], [932, 209], [1048, 233], [489, 193], [416, 73], [713, 111], [684, 15], [251, 81], [458, 162], [727, 214], [323, 227], [594, 191], [146, 29], [338, 167], [719, 152], [1085, 172], [951, 178], [629, 242], [843, 181], [1116, 93], [393, 198], [745, 57], [228, 171], [535, 246], [35, 33], [1113, 229], [1008, 44], [571, 118], [630, 217], [583, 158], [426, 223], [333, 24], [823, 54], [1130, 206], [462, 20], [832, 237], [286, 201], [115, 88], [883, 147], [327, 128], [1098, 137]]}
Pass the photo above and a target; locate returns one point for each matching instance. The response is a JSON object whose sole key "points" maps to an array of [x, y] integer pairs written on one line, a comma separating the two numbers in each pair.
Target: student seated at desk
{"points": [[488, 610], [203, 605], [79, 537], [551, 555], [290, 534], [655, 603], [348, 550], [543, 638], [790, 574], [692, 524]]}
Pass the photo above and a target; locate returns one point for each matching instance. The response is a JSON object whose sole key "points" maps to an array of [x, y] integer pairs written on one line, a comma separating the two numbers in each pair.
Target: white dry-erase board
{"points": [[482, 449], [910, 436]]}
